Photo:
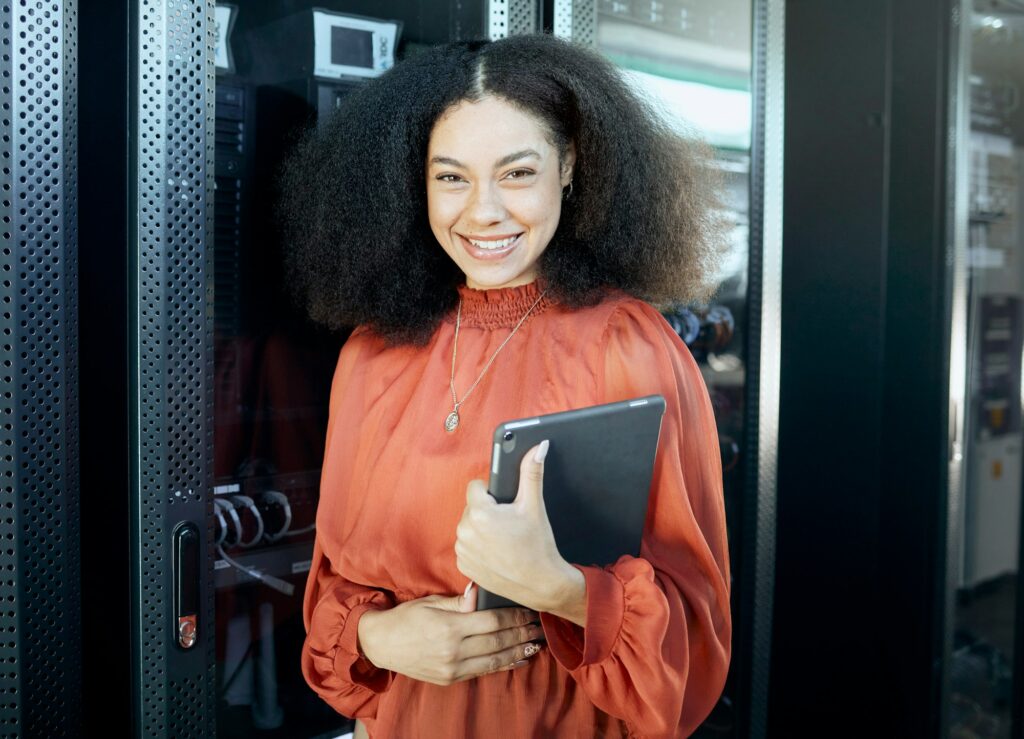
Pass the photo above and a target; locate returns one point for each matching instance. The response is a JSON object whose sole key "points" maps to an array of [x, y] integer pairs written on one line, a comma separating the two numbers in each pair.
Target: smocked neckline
{"points": [[501, 307]]}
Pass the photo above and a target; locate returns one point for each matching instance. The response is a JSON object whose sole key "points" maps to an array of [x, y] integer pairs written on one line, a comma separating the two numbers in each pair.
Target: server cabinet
{"points": [[862, 443], [897, 210], [172, 100], [40, 681]]}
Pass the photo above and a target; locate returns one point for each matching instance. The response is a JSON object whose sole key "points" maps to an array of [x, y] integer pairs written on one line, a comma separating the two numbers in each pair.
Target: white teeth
{"points": [[492, 245]]}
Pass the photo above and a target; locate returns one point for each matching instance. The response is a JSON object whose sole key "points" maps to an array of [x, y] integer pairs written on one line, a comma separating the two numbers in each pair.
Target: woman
{"points": [[492, 217]]}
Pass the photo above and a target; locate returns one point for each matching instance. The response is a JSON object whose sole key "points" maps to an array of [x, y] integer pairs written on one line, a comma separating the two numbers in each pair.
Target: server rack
{"points": [[876, 308], [39, 474], [170, 154]]}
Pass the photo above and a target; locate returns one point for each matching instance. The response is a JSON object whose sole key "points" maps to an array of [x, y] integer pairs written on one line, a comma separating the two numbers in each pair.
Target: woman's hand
{"points": [[443, 640], [509, 549]]}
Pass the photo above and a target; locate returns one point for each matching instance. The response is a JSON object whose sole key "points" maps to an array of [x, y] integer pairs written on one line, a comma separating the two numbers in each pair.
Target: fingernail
{"points": [[520, 663], [542, 451], [531, 649], [465, 593]]}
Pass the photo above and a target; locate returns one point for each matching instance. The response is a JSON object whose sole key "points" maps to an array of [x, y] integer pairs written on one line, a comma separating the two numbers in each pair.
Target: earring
{"points": [[566, 194]]}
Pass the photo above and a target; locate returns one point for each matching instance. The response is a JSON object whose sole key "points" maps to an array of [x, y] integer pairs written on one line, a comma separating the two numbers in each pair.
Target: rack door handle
{"points": [[186, 584]]}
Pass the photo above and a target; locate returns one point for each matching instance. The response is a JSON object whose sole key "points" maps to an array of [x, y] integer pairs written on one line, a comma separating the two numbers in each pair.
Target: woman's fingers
{"points": [[424, 638], [465, 603], [504, 660], [495, 619], [477, 495], [485, 644], [531, 478]]}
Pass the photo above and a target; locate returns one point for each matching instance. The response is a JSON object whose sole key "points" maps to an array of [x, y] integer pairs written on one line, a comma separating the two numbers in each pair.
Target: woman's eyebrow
{"points": [[447, 161], [515, 156]]}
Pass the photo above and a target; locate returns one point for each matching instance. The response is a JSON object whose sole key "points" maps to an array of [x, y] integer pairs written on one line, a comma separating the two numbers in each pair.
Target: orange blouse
{"points": [[653, 658]]}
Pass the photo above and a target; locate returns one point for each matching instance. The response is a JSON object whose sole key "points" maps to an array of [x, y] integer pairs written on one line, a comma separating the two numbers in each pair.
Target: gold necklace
{"points": [[451, 422]]}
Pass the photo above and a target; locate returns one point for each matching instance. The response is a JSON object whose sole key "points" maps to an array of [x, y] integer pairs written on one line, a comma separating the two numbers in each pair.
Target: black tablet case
{"points": [[597, 477]]}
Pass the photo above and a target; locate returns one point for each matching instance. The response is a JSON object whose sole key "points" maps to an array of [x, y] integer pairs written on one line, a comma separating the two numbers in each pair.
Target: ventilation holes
{"points": [[584, 22], [175, 436], [38, 403], [522, 17]]}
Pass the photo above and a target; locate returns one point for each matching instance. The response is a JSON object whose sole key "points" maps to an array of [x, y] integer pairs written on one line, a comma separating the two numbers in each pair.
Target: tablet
{"points": [[597, 477]]}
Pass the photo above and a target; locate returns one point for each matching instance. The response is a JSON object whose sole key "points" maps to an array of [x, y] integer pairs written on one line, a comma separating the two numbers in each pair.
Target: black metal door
{"points": [[40, 677]]}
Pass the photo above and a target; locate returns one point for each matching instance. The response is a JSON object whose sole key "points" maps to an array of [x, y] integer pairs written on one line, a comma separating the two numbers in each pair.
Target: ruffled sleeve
{"points": [[656, 648], [331, 662]]}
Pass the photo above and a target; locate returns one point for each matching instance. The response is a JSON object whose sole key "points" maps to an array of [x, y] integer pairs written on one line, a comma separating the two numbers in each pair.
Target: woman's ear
{"points": [[568, 163]]}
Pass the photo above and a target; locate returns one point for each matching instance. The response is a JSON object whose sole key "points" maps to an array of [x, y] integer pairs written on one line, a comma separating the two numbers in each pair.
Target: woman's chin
{"points": [[479, 281]]}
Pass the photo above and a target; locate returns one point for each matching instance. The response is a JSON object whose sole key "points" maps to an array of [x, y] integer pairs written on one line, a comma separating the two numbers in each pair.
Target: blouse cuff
{"points": [[574, 646], [348, 660]]}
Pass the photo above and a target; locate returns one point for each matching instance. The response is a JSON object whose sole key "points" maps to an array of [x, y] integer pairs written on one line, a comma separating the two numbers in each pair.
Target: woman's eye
{"points": [[448, 178], [518, 174]]}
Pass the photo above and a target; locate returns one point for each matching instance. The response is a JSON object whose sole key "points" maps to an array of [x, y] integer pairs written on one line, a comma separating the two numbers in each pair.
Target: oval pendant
{"points": [[451, 422]]}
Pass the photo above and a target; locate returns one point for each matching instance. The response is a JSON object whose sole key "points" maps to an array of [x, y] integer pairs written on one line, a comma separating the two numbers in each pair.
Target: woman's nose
{"points": [[485, 205]]}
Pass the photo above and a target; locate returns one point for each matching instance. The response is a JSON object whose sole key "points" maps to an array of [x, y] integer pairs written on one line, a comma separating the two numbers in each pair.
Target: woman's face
{"points": [[494, 191]]}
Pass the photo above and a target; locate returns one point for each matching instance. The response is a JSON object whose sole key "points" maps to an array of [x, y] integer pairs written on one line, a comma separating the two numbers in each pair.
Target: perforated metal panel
{"points": [[497, 19], [511, 17], [584, 21], [172, 108], [562, 26], [522, 17], [40, 666]]}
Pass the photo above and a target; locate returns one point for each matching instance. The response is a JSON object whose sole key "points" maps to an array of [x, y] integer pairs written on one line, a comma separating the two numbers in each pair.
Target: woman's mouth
{"points": [[490, 248]]}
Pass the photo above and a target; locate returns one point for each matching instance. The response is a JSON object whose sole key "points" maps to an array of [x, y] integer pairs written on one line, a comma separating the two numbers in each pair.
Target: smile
{"points": [[493, 244], [490, 248]]}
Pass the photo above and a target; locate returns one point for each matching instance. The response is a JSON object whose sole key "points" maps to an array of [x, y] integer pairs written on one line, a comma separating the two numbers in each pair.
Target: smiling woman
{"points": [[494, 213], [493, 217], [638, 217]]}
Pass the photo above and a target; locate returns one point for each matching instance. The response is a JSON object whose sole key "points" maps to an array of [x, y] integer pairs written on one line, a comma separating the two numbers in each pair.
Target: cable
{"points": [[222, 525], [233, 514], [282, 500], [249, 503], [269, 580], [306, 530]]}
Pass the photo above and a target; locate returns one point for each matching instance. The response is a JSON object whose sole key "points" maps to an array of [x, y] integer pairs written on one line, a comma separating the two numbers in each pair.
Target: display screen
{"points": [[351, 47], [224, 17]]}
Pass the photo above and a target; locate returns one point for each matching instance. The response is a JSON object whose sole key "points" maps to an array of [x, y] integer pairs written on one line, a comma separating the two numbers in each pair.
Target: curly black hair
{"points": [[358, 245]]}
